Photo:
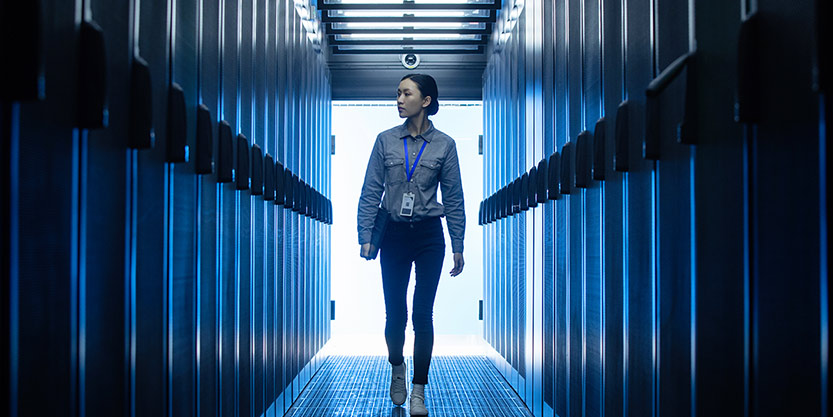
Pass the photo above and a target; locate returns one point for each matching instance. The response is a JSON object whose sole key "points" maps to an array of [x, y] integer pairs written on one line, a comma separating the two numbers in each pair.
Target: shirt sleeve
{"points": [[371, 196], [452, 189]]}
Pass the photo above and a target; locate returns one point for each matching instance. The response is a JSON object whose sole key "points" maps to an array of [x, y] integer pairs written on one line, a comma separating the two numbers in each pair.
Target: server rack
{"points": [[620, 313], [163, 285]]}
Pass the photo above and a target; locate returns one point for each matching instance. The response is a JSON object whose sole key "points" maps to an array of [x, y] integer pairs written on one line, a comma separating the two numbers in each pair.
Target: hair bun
{"points": [[434, 107]]}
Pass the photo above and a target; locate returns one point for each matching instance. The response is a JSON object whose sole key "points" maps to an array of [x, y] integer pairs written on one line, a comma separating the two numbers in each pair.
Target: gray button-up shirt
{"points": [[437, 166]]}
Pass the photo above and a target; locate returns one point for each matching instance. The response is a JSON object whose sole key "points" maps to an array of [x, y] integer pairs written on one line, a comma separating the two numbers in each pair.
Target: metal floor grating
{"points": [[358, 386]]}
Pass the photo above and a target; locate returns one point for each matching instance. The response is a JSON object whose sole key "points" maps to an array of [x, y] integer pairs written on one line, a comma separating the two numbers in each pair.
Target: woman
{"points": [[407, 163]]}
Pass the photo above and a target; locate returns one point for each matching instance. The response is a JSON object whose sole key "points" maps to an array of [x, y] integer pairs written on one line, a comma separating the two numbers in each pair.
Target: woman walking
{"points": [[407, 165]]}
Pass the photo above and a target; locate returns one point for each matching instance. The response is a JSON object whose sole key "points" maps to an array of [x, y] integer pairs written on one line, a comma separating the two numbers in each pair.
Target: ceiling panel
{"points": [[366, 40]]}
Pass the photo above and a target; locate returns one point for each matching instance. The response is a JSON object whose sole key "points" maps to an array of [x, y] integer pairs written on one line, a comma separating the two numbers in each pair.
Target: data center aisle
{"points": [[358, 386]]}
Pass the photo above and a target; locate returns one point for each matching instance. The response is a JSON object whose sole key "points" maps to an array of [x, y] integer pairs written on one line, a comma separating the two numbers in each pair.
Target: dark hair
{"points": [[427, 87]]}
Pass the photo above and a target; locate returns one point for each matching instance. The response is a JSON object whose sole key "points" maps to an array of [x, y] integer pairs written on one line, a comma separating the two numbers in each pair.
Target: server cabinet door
{"points": [[102, 175], [674, 219], [778, 71], [613, 71], [640, 238], [210, 221], [593, 221], [183, 213], [149, 182], [229, 210], [42, 334]]}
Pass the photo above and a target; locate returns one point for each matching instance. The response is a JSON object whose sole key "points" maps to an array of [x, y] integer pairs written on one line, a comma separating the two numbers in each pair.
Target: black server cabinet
{"points": [[40, 136], [182, 211], [208, 273], [148, 180]]}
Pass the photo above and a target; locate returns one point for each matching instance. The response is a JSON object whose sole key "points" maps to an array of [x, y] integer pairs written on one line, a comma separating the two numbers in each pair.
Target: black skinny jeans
{"points": [[421, 243]]}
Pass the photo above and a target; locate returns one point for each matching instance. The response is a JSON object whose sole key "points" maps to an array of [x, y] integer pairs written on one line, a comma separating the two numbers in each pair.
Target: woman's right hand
{"points": [[366, 249]]}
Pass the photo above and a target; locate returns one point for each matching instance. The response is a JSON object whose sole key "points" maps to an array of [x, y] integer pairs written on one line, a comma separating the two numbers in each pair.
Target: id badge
{"points": [[407, 209]]}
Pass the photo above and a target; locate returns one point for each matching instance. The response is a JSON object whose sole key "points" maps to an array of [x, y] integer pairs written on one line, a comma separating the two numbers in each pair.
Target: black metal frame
{"points": [[492, 18], [480, 49], [410, 6], [484, 33], [408, 31], [421, 42]]}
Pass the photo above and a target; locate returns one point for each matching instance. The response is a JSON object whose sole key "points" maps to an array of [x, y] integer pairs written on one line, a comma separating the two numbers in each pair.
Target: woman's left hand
{"points": [[458, 264]]}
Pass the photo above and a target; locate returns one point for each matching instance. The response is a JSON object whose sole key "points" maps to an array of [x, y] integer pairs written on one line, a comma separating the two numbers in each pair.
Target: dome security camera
{"points": [[410, 61]]}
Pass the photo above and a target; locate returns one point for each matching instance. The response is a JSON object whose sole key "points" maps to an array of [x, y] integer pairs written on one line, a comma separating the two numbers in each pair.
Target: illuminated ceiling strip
{"points": [[492, 17], [411, 6], [402, 13], [408, 32], [420, 3], [411, 21], [338, 51], [420, 42], [461, 26], [433, 47], [383, 36], [394, 27]]}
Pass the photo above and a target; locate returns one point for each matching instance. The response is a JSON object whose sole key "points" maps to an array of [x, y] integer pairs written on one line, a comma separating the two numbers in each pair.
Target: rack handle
{"points": [[205, 141], [543, 176], [268, 177], [532, 189], [225, 153], [257, 170], [242, 182], [554, 177], [92, 78], [747, 107], [584, 159], [176, 149], [566, 171], [621, 152], [21, 22], [140, 134], [599, 149]]}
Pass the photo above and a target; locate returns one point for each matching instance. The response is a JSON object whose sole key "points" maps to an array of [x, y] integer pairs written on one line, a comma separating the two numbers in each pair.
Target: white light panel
{"points": [[415, 13], [416, 1], [415, 25], [415, 36]]}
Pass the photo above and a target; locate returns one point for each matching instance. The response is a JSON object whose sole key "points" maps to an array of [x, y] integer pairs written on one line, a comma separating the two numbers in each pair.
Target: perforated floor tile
{"points": [[459, 386]]}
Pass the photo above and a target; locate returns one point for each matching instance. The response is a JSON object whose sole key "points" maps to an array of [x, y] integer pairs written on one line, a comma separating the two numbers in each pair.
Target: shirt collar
{"points": [[426, 136]]}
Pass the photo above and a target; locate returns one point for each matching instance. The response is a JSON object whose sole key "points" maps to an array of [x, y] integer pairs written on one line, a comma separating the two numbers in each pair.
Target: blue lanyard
{"points": [[411, 172]]}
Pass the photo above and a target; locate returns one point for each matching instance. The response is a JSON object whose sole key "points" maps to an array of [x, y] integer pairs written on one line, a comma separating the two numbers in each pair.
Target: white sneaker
{"points": [[418, 401], [398, 390]]}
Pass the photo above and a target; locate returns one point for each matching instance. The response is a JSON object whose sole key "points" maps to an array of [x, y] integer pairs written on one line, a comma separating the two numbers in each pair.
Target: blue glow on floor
{"points": [[358, 386]]}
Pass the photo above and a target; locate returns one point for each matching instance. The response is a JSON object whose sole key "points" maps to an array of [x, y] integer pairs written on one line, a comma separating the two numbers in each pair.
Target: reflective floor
{"points": [[358, 386]]}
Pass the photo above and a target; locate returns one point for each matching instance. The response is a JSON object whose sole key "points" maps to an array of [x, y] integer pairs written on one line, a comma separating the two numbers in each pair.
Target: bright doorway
{"points": [[356, 283]]}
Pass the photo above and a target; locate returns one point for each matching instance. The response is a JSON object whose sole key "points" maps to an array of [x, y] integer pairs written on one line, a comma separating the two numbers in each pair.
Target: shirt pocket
{"points": [[429, 173], [394, 171]]}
